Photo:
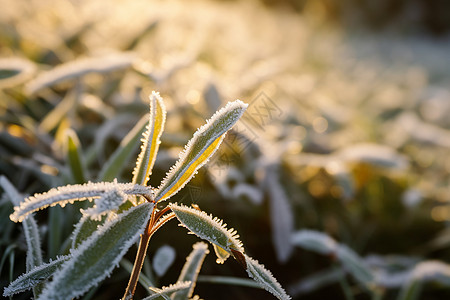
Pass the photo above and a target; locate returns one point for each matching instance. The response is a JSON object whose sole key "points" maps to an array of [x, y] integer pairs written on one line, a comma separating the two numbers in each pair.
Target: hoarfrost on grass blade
{"points": [[79, 68], [315, 241], [150, 140], [191, 269], [353, 263], [266, 280], [15, 71], [208, 227], [169, 290], [200, 148], [72, 193], [32, 237], [281, 217], [163, 259], [35, 276], [96, 257]]}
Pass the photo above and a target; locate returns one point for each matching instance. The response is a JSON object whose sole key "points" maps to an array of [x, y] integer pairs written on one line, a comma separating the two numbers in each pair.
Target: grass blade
{"points": [[74, 156]]}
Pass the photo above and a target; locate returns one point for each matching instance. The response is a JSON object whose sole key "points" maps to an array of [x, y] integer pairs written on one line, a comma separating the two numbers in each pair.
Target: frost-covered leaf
{"points": [[265, 279], [324, 244], [71, 193], [30, 229], [79, 68], [208, 228], [96, 257], [353, 263], [316, 281], [375, 154], [315, 241], [200, 148], [191, 269], [163, 259], [150, 140], [35, 276], [281, 217], [110, 200], [14, 71], [74, 156], [166, 291], [425, 272], [84, 229], [117, 161]]}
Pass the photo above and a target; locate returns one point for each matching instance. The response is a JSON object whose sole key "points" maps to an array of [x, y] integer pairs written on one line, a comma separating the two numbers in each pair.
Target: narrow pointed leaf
{"points": [[121, 156], [166, 291], [315, 241], [263, 276], [30, 228], [70, 193], [353, 263], [35, 276], [74, 156], [78, 68], [191, 269], [208, 228], [200, 148], [324, 244], [150, 140], [281, 216], [96, 257]]}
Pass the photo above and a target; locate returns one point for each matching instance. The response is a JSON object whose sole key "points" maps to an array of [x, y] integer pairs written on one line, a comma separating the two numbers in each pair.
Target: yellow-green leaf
{"points": [[150, 140], [200, 148]]}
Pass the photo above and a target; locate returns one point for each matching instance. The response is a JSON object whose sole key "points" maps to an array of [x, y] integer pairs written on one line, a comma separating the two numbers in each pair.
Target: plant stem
{"points": [[139, 261]]}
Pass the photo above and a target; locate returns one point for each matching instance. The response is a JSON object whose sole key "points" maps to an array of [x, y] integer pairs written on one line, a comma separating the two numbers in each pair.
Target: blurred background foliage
{"points": [[347, 131]]}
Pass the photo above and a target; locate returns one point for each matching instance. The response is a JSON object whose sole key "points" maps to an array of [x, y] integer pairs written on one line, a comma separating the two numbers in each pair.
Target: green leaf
{"points": [[73, 156], [121, 156], [324, 244], [78, 68], [84, 229], [96, 257], [263, 276], [15, 71], [200, 148], [315, 241], [150, 140], [166, 291], [353, 263], [191, 269], [208, 228], [30, 228], [35, 276], [71, 193]]}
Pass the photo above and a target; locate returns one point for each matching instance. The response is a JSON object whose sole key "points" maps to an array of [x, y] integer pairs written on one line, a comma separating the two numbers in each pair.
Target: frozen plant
{"points": [[123, 212]]}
